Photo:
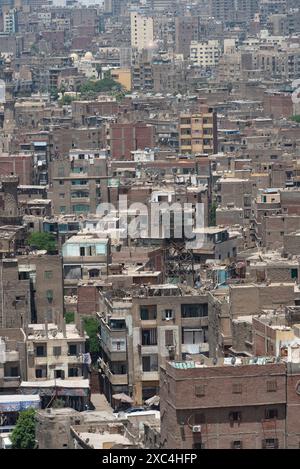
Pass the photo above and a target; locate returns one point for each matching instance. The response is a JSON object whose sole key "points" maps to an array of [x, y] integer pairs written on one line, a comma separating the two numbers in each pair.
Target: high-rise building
{"points": [[223, 10], [142, 35]]}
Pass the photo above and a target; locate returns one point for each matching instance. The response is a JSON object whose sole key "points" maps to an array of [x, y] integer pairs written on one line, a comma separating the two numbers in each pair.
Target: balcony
{"points": [[114, 378], [11, 382], [150, 376]]}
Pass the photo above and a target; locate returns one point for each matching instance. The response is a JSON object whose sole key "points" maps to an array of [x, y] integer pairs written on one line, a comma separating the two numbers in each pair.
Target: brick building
{"points": [[125, 138], [249, 403]]}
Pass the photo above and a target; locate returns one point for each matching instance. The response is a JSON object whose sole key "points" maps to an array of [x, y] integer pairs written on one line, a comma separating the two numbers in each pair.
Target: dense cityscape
{"points": [[149, 224]]}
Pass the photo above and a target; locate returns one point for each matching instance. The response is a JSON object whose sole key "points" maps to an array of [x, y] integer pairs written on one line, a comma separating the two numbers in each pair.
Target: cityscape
{"points": [[150, 226]]}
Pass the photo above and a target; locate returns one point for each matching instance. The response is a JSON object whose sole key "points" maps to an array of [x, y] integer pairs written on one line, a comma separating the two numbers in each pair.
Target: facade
{"points": [[79, 182], [125, 138], [205, 54], [54, 352], [198, 132], [140, 334], [141, 31], [239, 404]]}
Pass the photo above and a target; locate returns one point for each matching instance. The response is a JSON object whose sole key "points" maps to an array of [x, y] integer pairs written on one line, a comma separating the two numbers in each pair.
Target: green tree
{"points": [[100, 86], [296, 118], [69, 317], [91, 327], [23, 435], [212, 214], [43, 241], [66, 99]]}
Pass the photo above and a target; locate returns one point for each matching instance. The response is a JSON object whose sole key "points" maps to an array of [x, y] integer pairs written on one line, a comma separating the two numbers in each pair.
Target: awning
{"points": [[154, 400], [16, 402], [123, 398]]}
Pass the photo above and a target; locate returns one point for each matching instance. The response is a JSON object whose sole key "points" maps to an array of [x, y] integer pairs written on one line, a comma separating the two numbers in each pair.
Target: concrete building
{"points": [[205, 54], [141, 332], [198, 132], [244, 403], [79, 182], [55, 352], [125, 138], [12, 359], [142, 32]]}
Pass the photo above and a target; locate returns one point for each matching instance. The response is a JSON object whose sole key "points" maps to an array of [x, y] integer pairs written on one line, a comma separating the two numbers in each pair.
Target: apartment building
{"points": [[55, 351], [198, 132], [141, 330], [142, 31], [79, 182], [205, 54], [239, 403], [84, 256], [12, 359], [223, 10], [45, 275], [128, 137]]}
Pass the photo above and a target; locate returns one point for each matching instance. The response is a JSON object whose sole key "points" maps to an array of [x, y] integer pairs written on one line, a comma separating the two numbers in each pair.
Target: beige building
{"points": [[122, 76], [142, 35], [205, 54], [54, 352], [198, 132]]}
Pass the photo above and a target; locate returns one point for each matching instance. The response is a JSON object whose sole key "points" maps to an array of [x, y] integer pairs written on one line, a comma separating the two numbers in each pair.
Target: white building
{"points": [[205, 54], [142, 35], [9, 21]]}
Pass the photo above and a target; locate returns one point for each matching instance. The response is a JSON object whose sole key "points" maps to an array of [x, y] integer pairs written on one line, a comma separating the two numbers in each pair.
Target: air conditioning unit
{"points": [[196, 428]]}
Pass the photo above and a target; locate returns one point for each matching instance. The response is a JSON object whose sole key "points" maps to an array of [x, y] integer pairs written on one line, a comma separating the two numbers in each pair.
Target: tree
{"points": [[23, 435], [43, 241], [91, 327], [296, 118], [212, 214], [69, 317]]}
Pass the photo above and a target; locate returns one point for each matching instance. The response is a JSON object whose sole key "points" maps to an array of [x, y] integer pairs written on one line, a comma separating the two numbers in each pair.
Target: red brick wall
{"points": [[88, 299], [22, 166]]}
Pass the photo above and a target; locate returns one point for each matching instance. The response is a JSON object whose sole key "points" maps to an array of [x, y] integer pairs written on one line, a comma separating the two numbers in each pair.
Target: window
{"points": [[49, 295], [168, 314], [38, 373], [150, 363], [237, 444], [40, 351], [237, 388], [271, 414], [56, 351], [194, 336], [199, 418], [59, 374], [72, 349], [235, 416], [169, 338], [194, 310], [62, 209], [270, 443], [271, 386], [149, 336], [14, 371], [73, 372], [294, 273], [200, 390], [48, 274], [148, 312]]}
